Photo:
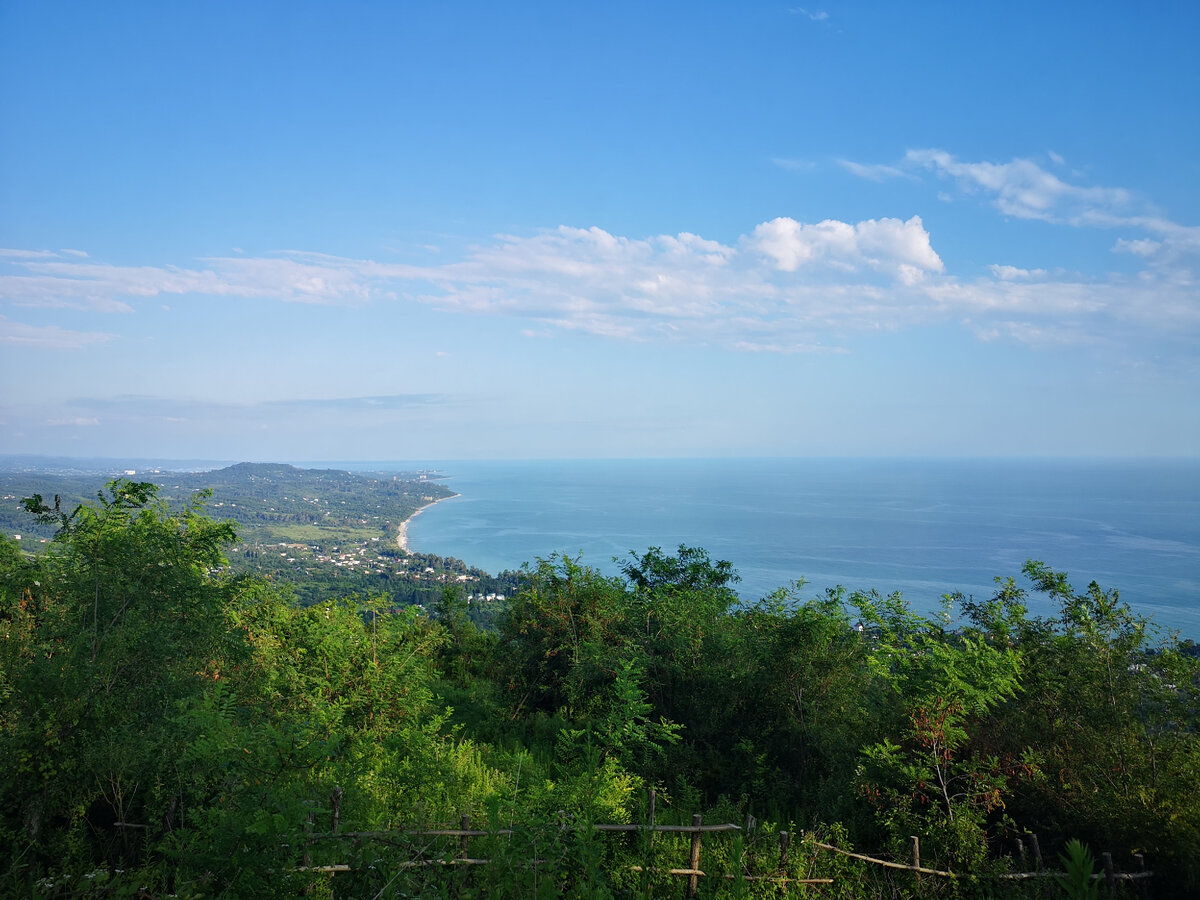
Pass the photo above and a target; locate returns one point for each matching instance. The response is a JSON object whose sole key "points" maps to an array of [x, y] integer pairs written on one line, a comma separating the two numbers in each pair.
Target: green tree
{"points": [[168, 726], [557, 635], [928, 778], [122, 621], [1109, 708], [809, 698], [570, 652]]}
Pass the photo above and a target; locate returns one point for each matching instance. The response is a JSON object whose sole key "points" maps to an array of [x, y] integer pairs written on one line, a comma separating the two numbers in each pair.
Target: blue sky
{"points": [[413, 231]]}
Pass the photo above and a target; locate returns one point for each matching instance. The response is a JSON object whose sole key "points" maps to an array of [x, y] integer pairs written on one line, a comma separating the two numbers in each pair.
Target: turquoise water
{"points": [[924, 528]]}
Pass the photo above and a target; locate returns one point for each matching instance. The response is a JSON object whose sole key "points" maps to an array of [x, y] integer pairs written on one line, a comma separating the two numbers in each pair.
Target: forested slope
{"points": [[172, 728]]}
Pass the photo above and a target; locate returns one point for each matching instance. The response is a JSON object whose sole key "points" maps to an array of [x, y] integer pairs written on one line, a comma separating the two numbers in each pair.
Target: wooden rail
{"points": [[691, 870], [1109, 873]]}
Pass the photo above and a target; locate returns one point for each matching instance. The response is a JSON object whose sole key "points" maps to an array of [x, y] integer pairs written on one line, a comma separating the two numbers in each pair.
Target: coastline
{"points": [[402, 529]]}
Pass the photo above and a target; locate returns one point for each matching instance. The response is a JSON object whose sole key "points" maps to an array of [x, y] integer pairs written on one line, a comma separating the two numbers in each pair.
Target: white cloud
{"points": [[901, 249], [1020, 188], [1162, 295], [1023, 189], [297, 278], [1174, 252], [873, 172], [1013, 273], [48, 280], [76, 422], [7, 253], [791, 244], [47, 337], [784, 286], [1026, 333], [1120, 312], [1145, 247], [55, 291]]}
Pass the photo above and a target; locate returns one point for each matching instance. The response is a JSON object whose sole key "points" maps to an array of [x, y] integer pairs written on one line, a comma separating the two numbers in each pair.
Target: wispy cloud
{"points": [[876, 172], [1058, 308], [1024, 189], [1163, 293], [52, 280], [26, 254], [813, 15], [1021, 187], [47, 337], [1013, 273]]}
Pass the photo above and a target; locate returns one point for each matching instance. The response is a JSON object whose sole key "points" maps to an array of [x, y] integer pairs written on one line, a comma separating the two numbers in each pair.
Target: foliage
{"points": [[930, 781], [165, 720], [119, 626], [568, 651], [807, 693], [173, 728], [1078, 883], [1108, 720]]}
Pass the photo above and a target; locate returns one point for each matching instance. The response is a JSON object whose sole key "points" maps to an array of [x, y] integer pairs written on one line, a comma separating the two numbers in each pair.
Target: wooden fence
{"points": [[690, 868], [1109, 874], [464, 833]]}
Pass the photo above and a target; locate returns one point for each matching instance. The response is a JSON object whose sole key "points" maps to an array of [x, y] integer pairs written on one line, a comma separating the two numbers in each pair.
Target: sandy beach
{"points": [[402, 531]]}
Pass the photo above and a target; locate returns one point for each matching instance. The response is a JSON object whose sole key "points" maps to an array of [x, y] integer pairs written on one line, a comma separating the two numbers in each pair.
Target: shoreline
{"points": [[402, 529]]}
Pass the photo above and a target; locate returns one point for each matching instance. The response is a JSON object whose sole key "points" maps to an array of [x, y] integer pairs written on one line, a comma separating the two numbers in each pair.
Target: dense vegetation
{"points": [[172, 727]]}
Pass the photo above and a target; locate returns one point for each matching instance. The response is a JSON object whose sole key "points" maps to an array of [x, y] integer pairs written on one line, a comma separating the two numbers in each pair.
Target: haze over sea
{"points": [[924, 528]]}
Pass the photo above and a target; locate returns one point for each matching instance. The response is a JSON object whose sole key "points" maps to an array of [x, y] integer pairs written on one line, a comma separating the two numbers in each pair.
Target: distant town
{"points": [[329, 534]]}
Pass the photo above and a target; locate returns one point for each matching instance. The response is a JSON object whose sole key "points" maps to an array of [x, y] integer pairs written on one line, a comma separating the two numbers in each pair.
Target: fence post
{"points": [[694, 858], [1109, 875], [335, 801], [785, 841], [914, 845], [647, 843], [1037, 851], [745, 863], [464, 823]]}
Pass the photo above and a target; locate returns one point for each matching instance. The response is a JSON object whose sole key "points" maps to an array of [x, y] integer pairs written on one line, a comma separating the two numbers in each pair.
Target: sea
{"points": [[924, 528]]}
